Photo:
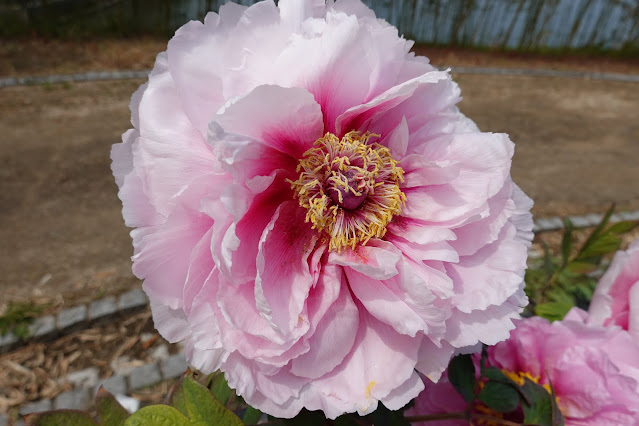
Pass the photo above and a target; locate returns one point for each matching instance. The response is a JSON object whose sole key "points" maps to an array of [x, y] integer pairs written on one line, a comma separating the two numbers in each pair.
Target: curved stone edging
{"points": [[77, 317], [541, 72], [73, 78], [133, 74]]}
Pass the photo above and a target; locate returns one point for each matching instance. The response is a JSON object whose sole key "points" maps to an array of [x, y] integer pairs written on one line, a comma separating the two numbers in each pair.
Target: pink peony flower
{"points": [[616, 298], [313, 215], [594, 371]]}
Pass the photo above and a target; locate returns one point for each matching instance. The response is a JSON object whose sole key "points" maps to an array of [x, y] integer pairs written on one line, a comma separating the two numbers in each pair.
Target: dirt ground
{"points": [[63, 239]]}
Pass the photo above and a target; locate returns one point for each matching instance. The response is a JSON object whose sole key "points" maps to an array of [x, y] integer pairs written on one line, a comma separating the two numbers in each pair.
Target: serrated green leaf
{"points": [[204, 409], [500, 397], [251, 416], [566, 242], [157, 415], [553, 311], [110, 412], [541, 410], [60, 418], [220, 388], [623, 227], [603, 244], [461, 374]]}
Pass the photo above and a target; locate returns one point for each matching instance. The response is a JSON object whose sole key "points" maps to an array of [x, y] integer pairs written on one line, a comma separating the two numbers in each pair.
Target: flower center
{"points": [[350, 188]]}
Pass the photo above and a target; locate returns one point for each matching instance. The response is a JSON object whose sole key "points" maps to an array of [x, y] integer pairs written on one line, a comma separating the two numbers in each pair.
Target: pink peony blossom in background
{"points": [[313, 215], [616, 298], [594, 371]]}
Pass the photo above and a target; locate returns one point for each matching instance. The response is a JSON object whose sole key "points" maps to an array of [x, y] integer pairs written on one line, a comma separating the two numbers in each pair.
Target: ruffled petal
{"points": [[283, 277]]}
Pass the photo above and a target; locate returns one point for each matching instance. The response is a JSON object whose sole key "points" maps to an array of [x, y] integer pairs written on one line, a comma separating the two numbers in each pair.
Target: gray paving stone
{"points": [[133, 299], [615, 217], [173, 366], [579, 221], [630, 215], [36, 407], [7, 340], [4, 420], [42, 326], [103, 308], [72, 317], [77, 399], [144, 376], [549, 224], [115, 384], [87, 378]]}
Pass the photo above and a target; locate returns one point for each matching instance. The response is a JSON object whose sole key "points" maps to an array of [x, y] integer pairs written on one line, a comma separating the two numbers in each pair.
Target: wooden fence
{"points": [[513, 24]]}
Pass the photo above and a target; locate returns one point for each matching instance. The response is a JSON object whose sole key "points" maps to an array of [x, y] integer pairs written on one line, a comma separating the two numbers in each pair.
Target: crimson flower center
{"points": [[350, 188]]}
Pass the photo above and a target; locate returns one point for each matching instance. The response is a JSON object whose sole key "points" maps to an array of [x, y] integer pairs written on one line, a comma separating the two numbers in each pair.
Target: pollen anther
{"points": [[350, 188]]}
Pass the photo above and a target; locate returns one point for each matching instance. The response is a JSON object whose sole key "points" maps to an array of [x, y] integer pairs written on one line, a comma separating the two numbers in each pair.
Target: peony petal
{"points": [[333, 338], [377, 259], [434, 359], [396, 399], [283, 277], [491, 275], [138, 209], [294, 12], [286, 119], [172, 324], [381, 360]]}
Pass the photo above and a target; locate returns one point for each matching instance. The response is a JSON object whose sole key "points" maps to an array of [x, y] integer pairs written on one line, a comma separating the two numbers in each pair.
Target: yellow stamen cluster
{"points": [[353, 168]]}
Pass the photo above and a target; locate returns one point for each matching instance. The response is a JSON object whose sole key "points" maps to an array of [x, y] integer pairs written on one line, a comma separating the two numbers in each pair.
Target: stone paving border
{"points": [[72, 78], [542, 72], [131, 74], [82, 397], [77, 317]]}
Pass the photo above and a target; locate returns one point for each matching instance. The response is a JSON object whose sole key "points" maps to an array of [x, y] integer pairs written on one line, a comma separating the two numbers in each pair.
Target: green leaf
{"points": [[496, 375], [566, 242], [623, 227], [553, 311], [500, 397], [549, 267], [542, 408], [603, 244], [220, 388], [157, 415], [60, 418], [176, 397], [110, 412], [251, 416], [594, 235], [461, 374], [204, 409], [580, 267]]}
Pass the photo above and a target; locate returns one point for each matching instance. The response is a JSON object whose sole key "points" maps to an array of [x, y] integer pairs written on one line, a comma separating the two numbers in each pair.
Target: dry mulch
{"points": [[37, 370]]}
